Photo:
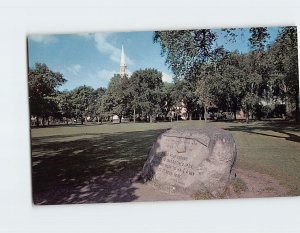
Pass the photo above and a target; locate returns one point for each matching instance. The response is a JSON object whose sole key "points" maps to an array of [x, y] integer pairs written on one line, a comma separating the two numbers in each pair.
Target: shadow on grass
{"points": [[261, 128], [88, 168], [68, 125]]}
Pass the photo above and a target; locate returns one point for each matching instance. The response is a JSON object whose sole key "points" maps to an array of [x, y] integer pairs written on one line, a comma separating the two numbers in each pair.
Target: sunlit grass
{"points": [[62, 154]]}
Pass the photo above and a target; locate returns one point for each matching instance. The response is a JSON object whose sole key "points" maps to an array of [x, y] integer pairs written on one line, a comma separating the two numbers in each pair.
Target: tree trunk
{"points": [[37, 123], [234, 108], [120, 119], [288, 107], [247, 116], [205, 113], [297, 117], [133, 115], [190, 116]]}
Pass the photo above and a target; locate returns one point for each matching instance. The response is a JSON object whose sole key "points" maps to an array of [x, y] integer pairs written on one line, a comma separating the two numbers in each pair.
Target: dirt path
{"points": [[125, 187], [257, 185]]}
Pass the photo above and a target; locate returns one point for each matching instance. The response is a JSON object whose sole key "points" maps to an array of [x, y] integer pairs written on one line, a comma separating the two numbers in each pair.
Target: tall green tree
{"points": [[184, 92], [186, 53], [186, 50], [64, 100], [99, 107], [82, 100], [169, 99], [43, 84], [231, 84], [285, 77], [146, 90], [116, 101]]}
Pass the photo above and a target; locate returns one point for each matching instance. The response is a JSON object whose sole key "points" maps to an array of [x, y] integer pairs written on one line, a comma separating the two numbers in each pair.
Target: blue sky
{"points": [[92, 58]]}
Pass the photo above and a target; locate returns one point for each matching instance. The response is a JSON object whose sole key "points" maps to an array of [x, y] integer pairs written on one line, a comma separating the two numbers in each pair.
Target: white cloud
{"points": [[74, 69], [105, 75], [167, 78], [105, 47], [44, 39]]}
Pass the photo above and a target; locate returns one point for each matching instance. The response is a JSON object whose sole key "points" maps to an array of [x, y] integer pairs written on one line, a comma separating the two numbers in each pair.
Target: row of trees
{"points": [[143, 95], [232, 81], [206, 76]]}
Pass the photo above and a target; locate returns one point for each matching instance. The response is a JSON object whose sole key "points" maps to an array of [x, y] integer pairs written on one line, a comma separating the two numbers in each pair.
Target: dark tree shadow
{"points": [[95, 168], [261, 128], [90, 168]]}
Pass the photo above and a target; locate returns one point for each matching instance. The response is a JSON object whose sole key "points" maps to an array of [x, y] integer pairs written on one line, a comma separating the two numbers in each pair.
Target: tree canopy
{"points": [[146, 89], [231, 80], [206, 77], [42, 85], [116, 100]]}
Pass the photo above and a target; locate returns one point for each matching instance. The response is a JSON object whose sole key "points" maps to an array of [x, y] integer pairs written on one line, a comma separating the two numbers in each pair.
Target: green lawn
{"points": [[65, 157]]}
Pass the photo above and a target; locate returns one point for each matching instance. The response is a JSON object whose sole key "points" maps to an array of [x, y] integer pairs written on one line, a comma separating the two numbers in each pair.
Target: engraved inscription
{"points": [[191, 160], [172, 165], [202, 139]]}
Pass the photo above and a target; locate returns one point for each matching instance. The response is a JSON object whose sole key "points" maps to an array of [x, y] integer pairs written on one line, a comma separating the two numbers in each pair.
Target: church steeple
{"points": [[123, 66]]}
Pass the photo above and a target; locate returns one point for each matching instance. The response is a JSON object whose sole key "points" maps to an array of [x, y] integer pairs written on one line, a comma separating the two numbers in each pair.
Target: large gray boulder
{"points": [[191, 161]]}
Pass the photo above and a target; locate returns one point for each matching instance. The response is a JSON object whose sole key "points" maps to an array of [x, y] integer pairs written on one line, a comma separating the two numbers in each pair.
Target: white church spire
{"points": [[122, 57], [122, 63]]}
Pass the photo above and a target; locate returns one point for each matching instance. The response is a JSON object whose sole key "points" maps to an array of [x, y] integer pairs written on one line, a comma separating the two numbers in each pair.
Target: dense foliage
{"points": [[42, 84], [261, 83], [230, 81]]}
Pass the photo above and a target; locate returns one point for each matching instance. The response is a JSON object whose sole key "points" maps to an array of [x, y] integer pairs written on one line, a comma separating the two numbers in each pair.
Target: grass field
{"points": [[67, 157]]}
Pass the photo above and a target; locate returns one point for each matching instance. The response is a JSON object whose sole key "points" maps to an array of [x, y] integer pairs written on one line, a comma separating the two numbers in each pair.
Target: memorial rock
{"points": [[191, 161]]}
